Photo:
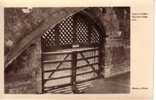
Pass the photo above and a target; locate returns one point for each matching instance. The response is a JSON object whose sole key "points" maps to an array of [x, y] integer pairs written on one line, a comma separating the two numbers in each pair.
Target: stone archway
{"points": [[77, 37]]}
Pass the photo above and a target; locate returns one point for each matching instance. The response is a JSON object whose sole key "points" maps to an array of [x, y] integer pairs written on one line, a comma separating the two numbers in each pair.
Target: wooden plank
{"points": [[60, 89], [63, 69], [88, 50], [56, 87], [88, 62], [100, 60], [83, 66], [73, 78], [55, 78], [57, 67], [87, 58], [56, 53], [88, 72], [58, 61], [68, 52], [63, 90], [42, 77]]}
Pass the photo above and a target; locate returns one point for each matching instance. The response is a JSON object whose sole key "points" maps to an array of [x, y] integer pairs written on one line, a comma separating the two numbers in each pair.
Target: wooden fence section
{"points": [[71, 74]]}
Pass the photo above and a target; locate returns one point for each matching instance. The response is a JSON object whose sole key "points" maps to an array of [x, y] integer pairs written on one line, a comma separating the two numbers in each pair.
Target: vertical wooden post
{"points": [[42, 71], [73, 78], [101, 52], [100, 61], [42, 67]]}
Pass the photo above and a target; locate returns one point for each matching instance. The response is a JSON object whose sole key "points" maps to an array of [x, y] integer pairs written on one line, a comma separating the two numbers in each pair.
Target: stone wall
{"points": [[24, 74], [117, 47], [116, 21]]}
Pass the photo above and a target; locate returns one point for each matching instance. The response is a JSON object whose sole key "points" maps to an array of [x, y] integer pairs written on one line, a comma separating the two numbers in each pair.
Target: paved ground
{"points": [[117, 84]]}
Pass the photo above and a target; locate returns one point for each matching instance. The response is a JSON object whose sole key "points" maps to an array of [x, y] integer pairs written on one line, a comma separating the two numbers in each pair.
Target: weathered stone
{"points": [[24, 73]]}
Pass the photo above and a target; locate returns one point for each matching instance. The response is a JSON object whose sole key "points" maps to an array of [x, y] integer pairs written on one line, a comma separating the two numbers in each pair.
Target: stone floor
{"points": [[116, 84]]}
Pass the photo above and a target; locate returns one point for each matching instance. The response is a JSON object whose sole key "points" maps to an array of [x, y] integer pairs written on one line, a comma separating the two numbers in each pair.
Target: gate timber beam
{"points": [[99, 25], [49, 22], [57, 67], [83, 56], [73, 71]]}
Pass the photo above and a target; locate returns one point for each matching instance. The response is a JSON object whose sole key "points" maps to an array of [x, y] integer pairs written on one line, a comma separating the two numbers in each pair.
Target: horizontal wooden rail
{"points": [[87, 58], [86, 73], [56, 53], [56, 87], [83, 66], [88, 50], [73, 60], [63, 69], [52, 61], [68, 52], [46, 89], [61, 90], [55, 78]]}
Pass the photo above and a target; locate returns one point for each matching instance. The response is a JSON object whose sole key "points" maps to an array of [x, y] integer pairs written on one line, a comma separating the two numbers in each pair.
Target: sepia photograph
{"points": [[67, 50]]}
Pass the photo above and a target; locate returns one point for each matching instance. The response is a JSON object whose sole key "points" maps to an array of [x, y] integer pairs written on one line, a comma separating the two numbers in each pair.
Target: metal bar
{"points": [[73, 78]]}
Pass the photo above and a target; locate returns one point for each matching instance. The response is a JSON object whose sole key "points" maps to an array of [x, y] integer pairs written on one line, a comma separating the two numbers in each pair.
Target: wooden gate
{"points": [[71, 55]]}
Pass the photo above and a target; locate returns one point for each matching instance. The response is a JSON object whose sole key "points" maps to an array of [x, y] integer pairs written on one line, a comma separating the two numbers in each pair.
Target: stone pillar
{"points": [[24, 74], [116, 55], [35, 63]]}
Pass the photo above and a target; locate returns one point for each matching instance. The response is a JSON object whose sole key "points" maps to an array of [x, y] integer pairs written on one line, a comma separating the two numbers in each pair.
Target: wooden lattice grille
{"points": [[70, 31], [95, 37], [66, 31], [81, 31], [48, 38]]}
